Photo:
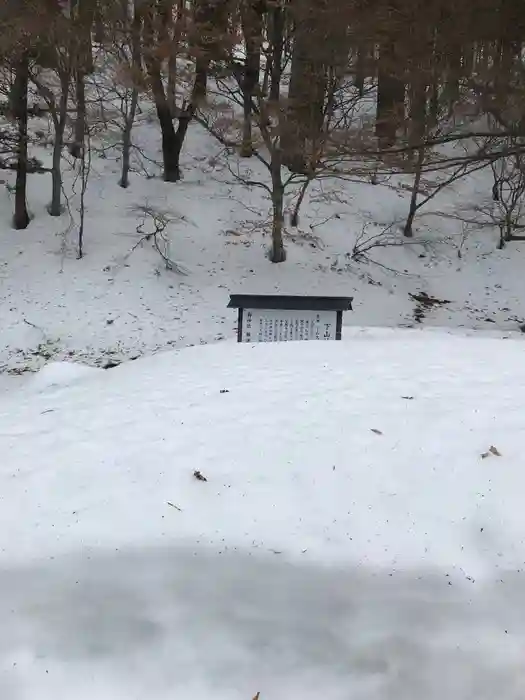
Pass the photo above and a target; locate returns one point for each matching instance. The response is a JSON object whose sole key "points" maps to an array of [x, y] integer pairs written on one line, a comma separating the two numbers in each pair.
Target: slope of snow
{"points": [[117, 304], [55, 374], [360, 531]]}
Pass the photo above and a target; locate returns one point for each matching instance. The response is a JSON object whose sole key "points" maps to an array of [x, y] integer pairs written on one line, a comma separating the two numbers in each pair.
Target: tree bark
{"points": [[390, 97], [19, 98], [170, 151], [210, 19], [277, 44], [79, 133], [126, 139], [172, 140], [252, 30], [408, 228], [83, 19], [277, 252], [359, 79], [308, 85], [170, 146], [418, 128], [184, 118], [59, 124], [136, 62]]}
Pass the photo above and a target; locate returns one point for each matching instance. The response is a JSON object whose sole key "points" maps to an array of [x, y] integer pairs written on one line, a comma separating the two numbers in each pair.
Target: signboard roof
{"points": [[299, 303]]}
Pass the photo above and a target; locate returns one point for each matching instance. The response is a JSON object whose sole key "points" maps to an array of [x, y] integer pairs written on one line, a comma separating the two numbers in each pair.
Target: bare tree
{"points": [[58, 110], [154, 31], [82, 17], [130, 56], [252, 27], [508, 195]]}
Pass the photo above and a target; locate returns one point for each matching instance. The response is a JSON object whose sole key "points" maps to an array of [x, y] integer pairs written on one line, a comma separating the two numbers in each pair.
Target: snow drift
{"points": [[299, 519]]}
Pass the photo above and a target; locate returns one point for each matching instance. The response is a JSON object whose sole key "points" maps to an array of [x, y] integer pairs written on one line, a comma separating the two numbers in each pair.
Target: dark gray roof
{"points": [[299, 303]]}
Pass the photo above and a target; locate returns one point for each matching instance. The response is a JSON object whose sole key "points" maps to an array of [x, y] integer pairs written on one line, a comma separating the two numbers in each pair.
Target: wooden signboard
{"points": [[272, 318]]}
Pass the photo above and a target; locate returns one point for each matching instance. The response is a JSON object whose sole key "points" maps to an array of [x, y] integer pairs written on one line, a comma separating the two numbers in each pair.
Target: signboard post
{"points": [[275, 318]]}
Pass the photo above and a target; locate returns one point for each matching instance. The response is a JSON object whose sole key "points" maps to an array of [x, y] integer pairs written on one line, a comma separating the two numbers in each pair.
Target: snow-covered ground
{"points": [[300, 520], [114, 305], [357, 529]]}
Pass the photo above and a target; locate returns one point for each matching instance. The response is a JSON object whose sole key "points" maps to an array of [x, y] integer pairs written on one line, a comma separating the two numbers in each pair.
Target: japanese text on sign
{"points": [[276, 325]]}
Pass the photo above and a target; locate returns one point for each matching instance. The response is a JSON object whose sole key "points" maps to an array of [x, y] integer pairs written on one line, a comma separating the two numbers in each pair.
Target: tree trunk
{"points": [[126, 139], [390, 96], [185, 117], [210, 20], [170, 38], [99, 23], [172, 140], [83, 14], [20, 89], [200, 84], [277, 44], [407, 230], [299, 97], [84, 177], [59, 122], [170, 146], [136, 60], [201, 19], [418, 128], [308, 86], [294, 218], [172, 82], [277, 252], [252, 30], [453, 75], [79, 134], [501, 242], [433, 103], [359, 79], [468, 58], [55, 206]]}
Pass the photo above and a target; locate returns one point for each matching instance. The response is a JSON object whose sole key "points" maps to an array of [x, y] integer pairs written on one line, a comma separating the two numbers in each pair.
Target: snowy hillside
{"points": [[119, 303], [342, 519], [187, 517]]}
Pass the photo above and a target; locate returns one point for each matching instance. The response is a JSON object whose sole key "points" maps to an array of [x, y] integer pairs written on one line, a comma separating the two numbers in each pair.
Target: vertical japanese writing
{"points": [[306, 328], [249, 318], [262, 325]]}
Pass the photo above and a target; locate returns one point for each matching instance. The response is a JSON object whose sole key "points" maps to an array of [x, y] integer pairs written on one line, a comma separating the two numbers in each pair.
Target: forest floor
{"points": [[120, 302]]}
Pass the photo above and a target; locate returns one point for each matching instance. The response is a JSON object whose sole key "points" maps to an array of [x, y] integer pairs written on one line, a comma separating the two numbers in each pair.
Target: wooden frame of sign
{"points": [[264, 318]]}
